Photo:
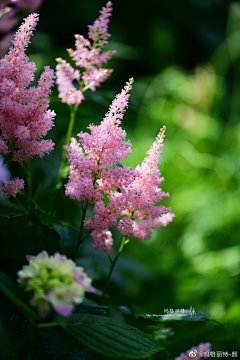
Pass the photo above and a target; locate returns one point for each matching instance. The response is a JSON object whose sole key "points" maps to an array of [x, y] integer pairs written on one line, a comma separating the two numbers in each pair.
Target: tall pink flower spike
{"points": [[132, 193], [24, 115], [88, 56]]}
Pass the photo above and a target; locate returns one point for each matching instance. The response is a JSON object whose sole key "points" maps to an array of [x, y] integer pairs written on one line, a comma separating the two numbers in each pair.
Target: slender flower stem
{"points": [[73, 111], [80, 239], [113, 263], [61, 173], [110, 258]]}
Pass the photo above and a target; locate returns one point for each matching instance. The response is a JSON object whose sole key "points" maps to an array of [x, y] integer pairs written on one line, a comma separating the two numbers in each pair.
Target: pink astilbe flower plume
{"points": [[12, 188], [87, 55], [24, 115], [146, 187], [105, 145], [133, 194]]}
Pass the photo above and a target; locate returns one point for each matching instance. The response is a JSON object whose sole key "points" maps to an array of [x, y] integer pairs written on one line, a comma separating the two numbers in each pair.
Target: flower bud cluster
{"points": [[87, 55], [55, 281]]}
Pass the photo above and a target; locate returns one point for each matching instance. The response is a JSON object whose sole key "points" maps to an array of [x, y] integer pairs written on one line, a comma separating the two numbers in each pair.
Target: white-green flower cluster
{"points": [[55, 281]]}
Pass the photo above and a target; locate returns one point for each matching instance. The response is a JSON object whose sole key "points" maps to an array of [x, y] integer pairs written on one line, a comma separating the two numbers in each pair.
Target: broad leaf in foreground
{"points": [[110, 337]]}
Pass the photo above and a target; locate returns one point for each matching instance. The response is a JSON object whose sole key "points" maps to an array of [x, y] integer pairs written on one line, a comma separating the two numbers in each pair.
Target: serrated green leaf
{"points": [[7, 351], [110, 337], [10, 290], [10, 213], [89, 307]]}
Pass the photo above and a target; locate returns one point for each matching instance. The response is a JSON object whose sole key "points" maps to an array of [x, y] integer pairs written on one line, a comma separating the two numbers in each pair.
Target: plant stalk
{"points": [[59, 179], [113, 263], [80, 239], [73, 111]]}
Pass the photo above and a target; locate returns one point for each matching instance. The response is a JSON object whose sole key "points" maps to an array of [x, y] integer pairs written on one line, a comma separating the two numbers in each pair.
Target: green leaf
{"points": [[24, 235], [235, 273], [110, 337], [45, 217], [19, 330], [10, 290], [49, 235], [7, 351], [186, 316], [10, 213], [90, 307]]}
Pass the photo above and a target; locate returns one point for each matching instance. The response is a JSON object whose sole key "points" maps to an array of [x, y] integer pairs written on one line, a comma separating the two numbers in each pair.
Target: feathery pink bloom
{"points": [[65, 77], [196, 352], [89, 57], [24, 118], [98, 31], [102, 240], [12, 188], [132, 194], [105, 145]]}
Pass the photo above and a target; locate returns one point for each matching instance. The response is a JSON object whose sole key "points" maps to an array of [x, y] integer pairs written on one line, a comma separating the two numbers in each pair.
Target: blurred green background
{"points": [[185, 58]]}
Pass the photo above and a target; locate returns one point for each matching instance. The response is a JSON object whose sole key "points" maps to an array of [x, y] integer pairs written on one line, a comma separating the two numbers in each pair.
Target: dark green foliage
{"points": [[110, 337], [12, 292], [7, 351]]}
